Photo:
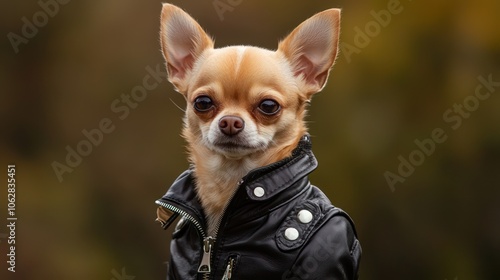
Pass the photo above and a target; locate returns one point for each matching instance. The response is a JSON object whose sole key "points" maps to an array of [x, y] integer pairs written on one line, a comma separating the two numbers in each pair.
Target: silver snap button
{"points": [[291, 234], [259, 191], [305, 216]]}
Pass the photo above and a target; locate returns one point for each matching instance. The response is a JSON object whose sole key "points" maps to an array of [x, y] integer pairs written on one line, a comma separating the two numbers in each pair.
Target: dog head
{"points": [[243, 101]]}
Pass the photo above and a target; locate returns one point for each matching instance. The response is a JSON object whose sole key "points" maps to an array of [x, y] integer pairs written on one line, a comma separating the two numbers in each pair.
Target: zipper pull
{"points": [[207, 251], [229, 270]]}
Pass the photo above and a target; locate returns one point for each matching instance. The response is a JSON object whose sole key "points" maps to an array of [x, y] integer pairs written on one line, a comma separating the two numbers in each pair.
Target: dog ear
{"points": [[182, 42], [311, 49]]}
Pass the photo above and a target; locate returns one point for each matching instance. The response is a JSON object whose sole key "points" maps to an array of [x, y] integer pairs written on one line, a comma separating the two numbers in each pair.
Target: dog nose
{"points": [[231, 125]]}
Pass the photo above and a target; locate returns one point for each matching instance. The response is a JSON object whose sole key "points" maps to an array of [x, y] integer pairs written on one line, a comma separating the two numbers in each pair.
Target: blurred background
{"points": [[405, 69]]}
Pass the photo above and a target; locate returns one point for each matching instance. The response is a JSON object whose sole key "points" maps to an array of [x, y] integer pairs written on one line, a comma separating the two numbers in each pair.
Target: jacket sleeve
{"points": [[332, 253]]}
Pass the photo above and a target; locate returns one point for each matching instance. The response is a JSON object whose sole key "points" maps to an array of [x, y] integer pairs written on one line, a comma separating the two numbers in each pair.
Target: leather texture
{"points": [[253, 233]]}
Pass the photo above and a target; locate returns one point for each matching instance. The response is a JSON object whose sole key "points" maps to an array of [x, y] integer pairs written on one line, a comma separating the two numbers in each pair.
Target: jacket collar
{"points": [[260, 184], [266, 182]]}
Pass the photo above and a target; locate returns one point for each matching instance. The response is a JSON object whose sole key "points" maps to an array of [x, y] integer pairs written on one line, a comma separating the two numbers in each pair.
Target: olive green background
{"points": [[442, 222]]}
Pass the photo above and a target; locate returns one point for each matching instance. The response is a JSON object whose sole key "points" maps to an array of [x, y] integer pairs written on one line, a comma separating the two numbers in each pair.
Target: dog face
{"points": [[246, 101], [241, 101]]}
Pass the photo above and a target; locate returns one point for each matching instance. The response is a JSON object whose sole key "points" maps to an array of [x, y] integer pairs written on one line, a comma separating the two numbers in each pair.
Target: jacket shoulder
{"points": [[331, 249]]}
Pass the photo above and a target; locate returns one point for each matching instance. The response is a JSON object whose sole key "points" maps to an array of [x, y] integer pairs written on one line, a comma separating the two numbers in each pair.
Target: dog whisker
{"points": [[175, 104]]}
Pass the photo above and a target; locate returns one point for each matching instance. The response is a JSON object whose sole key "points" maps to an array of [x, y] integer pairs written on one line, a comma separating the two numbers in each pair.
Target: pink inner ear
{"points": [[308, 71], [183, 65], [304, 67]]}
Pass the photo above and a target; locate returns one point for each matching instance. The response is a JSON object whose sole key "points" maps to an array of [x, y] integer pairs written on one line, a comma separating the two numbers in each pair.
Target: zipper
{"points": [[207, 252], [186, 215], [229, 269], [208, 241], [219, 222]]}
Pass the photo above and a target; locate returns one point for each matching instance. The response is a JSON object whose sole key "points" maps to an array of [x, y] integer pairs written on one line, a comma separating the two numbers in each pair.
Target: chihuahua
{"points": [[250, 208], [246, 105]]}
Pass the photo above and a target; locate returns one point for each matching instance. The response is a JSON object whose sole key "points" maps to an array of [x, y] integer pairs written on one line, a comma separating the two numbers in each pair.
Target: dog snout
{"points": [[231, 125]]}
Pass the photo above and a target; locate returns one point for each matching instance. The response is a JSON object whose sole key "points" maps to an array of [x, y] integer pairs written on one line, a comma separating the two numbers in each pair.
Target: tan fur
{"points": [[238, 79]]}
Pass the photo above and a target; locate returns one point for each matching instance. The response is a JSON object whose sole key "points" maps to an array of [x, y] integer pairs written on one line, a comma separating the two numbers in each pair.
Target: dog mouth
{"points": [[233, 146]]}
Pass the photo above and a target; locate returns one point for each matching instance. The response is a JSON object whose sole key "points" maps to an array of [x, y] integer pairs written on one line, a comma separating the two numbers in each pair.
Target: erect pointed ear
{"points": [[182, 42], [311, 49]]}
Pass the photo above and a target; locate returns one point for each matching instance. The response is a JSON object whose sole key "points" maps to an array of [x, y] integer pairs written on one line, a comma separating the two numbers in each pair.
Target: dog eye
{"points": [[269, 107], [203, 104]]}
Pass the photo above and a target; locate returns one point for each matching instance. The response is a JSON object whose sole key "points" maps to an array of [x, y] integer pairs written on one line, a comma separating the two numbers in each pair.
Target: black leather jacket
{"points": [[262, 235]]}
